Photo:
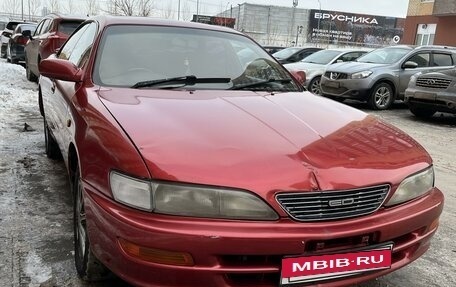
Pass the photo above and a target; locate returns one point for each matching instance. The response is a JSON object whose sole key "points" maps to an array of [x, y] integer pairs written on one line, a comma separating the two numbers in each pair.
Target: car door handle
{"points": [[53, 87]]}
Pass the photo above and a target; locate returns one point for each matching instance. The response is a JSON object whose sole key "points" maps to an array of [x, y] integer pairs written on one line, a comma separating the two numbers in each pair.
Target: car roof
{"points": [[107, 20], [65, 17]]}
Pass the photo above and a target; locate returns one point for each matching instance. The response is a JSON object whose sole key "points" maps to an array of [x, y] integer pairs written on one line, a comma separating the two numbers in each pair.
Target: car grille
{"points": [[433, 83], [331, 205], [336, 76]]}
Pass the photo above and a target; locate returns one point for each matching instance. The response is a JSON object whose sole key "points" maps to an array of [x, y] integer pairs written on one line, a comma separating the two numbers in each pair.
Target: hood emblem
{"points": [[430, 82], [341, 202]]}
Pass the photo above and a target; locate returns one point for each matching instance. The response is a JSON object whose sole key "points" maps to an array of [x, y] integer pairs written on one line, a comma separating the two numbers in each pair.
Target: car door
{"points": [[422, 59], [35, 44], [59, 109]]}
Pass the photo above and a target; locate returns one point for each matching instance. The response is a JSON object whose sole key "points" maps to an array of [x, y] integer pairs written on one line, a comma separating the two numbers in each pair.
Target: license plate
{"points": [[424, 95], [316, 268], [332, 84]]}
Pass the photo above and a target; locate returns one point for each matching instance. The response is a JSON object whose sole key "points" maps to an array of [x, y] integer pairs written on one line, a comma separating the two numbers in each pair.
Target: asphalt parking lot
{"points": [[36, 239]]}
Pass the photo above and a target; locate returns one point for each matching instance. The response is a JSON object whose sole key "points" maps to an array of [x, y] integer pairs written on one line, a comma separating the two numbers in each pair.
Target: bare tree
{"points": [[168, 12], [33, 6], [53, 6], [186, 14], [125, 7], [145, 8], [12, 6], [92, 7], [69, 7]]}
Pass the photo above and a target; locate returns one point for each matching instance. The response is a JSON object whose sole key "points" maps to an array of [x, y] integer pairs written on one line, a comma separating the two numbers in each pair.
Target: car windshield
{"points": [[12, 25], [384, 56], [322, 57], [21, 28], [174, 57], [285, 53], [68, 27]]}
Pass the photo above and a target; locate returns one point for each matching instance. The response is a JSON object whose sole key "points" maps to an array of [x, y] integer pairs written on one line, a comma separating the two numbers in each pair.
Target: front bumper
{"points": [[439, 100], [358, 89], [239, 253]]}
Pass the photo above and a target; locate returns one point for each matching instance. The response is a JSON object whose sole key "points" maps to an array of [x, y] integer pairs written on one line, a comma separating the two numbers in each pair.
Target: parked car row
{"points": [[29, 43], [380, 77]]}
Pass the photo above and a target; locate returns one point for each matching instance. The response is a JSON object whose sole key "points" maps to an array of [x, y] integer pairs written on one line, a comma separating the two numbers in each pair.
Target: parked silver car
{"points": [[381, 76], [432, 92], [315, 65]]}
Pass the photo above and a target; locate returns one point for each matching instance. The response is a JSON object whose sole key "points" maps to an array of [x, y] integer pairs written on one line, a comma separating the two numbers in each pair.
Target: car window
{"points": [[422, 59], [384, 55], [38, 28], [68, 27], [46, 27], [321, 57], [349, 57], [285, 53], [82, 49], [156, 53], [442, 60]]}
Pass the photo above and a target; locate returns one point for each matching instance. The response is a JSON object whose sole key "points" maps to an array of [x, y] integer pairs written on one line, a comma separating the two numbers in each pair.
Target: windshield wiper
{"points": [[261, 83], [183, 81]]}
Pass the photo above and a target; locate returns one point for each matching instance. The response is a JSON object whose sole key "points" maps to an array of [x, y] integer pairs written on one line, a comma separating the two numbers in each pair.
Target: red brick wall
{"points": [[445, 34], [411, 25]]}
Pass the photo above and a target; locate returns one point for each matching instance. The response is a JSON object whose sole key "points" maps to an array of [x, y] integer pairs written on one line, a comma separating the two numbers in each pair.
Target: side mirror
{"points": [[27, 33], [299, 76], [60, 69], [410, 65]]}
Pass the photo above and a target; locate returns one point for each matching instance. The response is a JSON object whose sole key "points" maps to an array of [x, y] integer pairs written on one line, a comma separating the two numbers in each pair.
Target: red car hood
{"points": [[262, 142]]}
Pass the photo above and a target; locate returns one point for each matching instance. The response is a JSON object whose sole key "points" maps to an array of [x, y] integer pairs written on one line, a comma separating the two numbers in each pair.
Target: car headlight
{"points": [[413, 187], [361, 75], [189, 200], [131, 191]]}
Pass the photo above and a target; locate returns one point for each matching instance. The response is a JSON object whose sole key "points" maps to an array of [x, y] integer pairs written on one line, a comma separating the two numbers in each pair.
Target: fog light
{"points": [[156, 255]]}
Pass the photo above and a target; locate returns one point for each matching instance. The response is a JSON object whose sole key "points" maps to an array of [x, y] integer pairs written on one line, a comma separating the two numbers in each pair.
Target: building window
{"points": [[427, 1], [425, 34]]}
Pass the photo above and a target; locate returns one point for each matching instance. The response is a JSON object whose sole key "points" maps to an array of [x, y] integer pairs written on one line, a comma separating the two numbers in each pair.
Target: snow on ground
{"points": [[15, 91]]}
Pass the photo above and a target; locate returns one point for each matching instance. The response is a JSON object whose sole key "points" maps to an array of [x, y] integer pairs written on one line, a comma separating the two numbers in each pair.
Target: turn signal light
{"points": [[156, 255]]}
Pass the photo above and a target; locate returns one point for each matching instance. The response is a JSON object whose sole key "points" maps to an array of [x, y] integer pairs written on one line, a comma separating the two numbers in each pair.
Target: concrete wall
{"points": [[417, 8], [445, 7]]}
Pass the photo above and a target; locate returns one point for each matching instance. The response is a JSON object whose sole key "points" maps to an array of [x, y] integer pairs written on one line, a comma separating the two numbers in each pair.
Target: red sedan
{"points": [[196, 159]]}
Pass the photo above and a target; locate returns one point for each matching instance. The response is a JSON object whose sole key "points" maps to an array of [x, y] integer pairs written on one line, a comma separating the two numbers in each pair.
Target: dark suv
{"points": [[51, 33], [432, 92], [381, 76]]}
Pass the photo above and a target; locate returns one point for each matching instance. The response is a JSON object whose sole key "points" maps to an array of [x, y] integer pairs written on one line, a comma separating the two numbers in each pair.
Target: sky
{"points": [[395, 8]]}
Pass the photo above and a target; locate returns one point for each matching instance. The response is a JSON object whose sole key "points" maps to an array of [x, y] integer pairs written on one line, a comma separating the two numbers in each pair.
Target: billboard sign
{"points": [[368, 30], [215, 20]]}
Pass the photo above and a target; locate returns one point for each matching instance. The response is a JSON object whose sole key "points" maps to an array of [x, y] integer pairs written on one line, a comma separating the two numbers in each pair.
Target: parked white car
{"points": [[315, 65]]}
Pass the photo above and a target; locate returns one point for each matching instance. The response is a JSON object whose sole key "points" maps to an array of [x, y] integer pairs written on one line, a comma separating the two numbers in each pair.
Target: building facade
{"points": [[292, 26], [430, 22]]}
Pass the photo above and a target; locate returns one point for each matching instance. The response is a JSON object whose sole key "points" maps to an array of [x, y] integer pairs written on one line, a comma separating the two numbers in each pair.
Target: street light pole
{"points": [[178, 10], [318, 25]]}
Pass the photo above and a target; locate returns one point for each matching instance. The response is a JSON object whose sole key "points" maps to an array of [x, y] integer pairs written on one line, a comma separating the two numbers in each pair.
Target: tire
{"points": [[381, 97], [51, 147], [314, 86], [423, 113], [29, 74], [88, 267]]}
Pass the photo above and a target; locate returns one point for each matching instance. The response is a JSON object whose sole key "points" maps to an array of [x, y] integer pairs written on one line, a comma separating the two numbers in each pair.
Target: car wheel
{"points": [[381, 97], [52, 149], [29, 74], [422, 112], [314, 86], [87, 265]]}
